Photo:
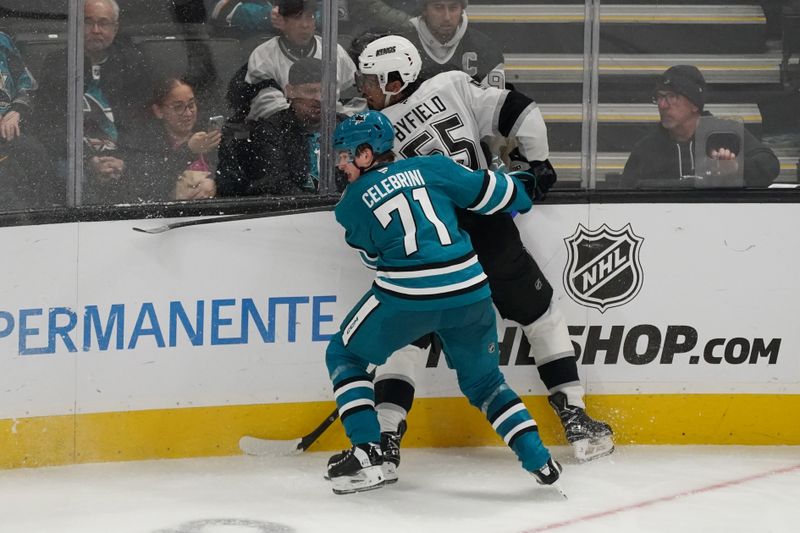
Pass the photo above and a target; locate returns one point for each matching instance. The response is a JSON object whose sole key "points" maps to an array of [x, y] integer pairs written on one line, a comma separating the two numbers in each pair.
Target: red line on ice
{"points": [[647, 503]]}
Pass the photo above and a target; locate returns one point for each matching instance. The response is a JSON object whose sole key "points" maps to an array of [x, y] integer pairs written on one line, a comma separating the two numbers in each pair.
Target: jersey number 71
{"points": [[400, 204]]}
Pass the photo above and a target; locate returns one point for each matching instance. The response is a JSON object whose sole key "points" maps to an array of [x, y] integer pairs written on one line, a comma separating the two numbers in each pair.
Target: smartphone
{"points": [[215, 123]]}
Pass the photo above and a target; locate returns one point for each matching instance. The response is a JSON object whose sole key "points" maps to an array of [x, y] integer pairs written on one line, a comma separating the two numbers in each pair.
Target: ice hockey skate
{"points": [[549, 473], [390, 446], [589, 438], [357, 469]]}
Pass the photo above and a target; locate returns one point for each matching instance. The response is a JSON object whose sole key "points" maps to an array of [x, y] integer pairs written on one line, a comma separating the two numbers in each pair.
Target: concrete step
{"points": [[639, 113], [619, 126], [653, 28], [568, 166], [763, 68]]}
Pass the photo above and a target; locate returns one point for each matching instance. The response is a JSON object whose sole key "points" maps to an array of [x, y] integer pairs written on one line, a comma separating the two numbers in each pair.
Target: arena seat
{"points": [[621, 125], [146, 12], [568, 166], [34, 17], [624, 28], [207, 63], [35, 47], [630, 77]]}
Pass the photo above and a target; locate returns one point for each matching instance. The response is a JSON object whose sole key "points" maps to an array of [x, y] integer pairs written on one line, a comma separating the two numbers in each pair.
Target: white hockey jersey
{"points": [[449, 113], [272, 61]]}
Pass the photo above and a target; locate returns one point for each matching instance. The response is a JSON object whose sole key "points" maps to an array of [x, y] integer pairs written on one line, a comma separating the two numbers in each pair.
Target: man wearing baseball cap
{"points": [[668, 152]]}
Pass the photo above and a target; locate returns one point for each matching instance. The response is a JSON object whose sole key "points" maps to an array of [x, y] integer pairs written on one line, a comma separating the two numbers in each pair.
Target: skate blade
{"points": [[556, 485], [389, 472], [369, 478], [590, 449]]}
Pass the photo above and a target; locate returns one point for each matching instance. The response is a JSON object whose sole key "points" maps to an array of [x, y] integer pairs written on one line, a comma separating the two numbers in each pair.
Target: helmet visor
{"points": [[365, 80]]}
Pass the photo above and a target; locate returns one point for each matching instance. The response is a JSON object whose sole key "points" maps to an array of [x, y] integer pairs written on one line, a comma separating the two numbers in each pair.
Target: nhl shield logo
{"points": [[603, 268]]}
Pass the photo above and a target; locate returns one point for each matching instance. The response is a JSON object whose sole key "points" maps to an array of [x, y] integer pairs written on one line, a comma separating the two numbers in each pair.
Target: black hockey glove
{"points": [[543, 171], [528, 181]]}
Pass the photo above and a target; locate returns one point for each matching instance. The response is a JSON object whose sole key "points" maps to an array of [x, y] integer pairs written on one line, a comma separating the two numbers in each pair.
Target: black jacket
{"points": [[156, 165], [126, 84], [659, 156], [274, 160], [476, 54]]}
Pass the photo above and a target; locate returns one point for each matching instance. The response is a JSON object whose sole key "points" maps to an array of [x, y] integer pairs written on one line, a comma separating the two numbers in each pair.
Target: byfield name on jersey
{"points": [[389, 184], [417, 117]]}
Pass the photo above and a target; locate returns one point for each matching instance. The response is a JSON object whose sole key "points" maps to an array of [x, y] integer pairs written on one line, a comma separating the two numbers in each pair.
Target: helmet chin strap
{"points": [[387, 95], [371, 163]]}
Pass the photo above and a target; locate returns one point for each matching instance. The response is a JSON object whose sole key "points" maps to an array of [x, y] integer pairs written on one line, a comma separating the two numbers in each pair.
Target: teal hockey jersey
{"points": [[401, 217]]}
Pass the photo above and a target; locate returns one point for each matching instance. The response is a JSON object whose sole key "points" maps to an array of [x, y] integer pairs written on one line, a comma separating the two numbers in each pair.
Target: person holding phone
{"points": [[666, 154], [177, 161]]}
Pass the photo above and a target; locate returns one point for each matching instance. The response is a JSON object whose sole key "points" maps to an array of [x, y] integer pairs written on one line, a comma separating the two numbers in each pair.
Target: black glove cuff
{"points": [[545, 177]]}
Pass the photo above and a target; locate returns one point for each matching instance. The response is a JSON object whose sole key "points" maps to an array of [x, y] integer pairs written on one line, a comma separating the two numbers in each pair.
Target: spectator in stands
{"points": [[116, 85], [668, 152], [446, 42], [282, 155], [270, 62], [358, 16], [254, 16], [392, 16], [25, 170], [16, 86], [174, 161]]}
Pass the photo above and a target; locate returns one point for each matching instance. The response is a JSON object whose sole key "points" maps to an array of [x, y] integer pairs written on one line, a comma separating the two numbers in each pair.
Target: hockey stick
{"points": [[257, 446], [229, 218]]}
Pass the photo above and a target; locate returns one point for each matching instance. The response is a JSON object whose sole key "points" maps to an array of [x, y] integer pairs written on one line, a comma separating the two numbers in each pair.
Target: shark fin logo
{"points": [[603, 268]]}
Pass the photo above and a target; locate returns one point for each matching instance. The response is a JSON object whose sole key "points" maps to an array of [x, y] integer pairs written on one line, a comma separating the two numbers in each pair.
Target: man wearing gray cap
{"points": [[668, 152]]}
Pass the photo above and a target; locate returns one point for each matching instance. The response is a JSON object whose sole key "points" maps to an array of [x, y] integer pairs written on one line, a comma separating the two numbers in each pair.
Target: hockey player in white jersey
{"points": [[449, 114]]}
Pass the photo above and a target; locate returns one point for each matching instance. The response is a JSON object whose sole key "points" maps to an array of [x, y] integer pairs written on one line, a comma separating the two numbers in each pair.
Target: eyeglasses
{"points": [[180, 108], [669, 98], [103, 24]]}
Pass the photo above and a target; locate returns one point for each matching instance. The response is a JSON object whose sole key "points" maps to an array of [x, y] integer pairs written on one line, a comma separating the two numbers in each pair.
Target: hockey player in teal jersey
{"points": [[401, 217]]}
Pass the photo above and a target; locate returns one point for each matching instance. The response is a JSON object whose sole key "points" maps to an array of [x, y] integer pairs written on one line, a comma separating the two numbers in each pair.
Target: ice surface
{"points": [[482, 490]]}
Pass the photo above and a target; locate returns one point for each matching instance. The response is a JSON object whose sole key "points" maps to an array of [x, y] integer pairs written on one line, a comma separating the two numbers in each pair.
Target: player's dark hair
{"points": [[385, 157]]}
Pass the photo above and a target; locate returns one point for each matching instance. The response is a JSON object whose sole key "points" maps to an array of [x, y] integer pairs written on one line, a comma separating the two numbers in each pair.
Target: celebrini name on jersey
{"points": [[389, 184]]}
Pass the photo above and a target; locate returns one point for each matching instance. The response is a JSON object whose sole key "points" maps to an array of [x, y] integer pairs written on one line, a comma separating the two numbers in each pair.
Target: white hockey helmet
{"points": [[390, 54]]}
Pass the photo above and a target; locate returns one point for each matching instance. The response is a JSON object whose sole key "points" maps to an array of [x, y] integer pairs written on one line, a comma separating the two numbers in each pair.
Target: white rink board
{"points": [[726, 271]]}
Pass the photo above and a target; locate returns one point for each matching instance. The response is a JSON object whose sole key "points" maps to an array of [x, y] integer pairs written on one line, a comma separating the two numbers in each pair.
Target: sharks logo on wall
{"points": [[603, 268]]}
